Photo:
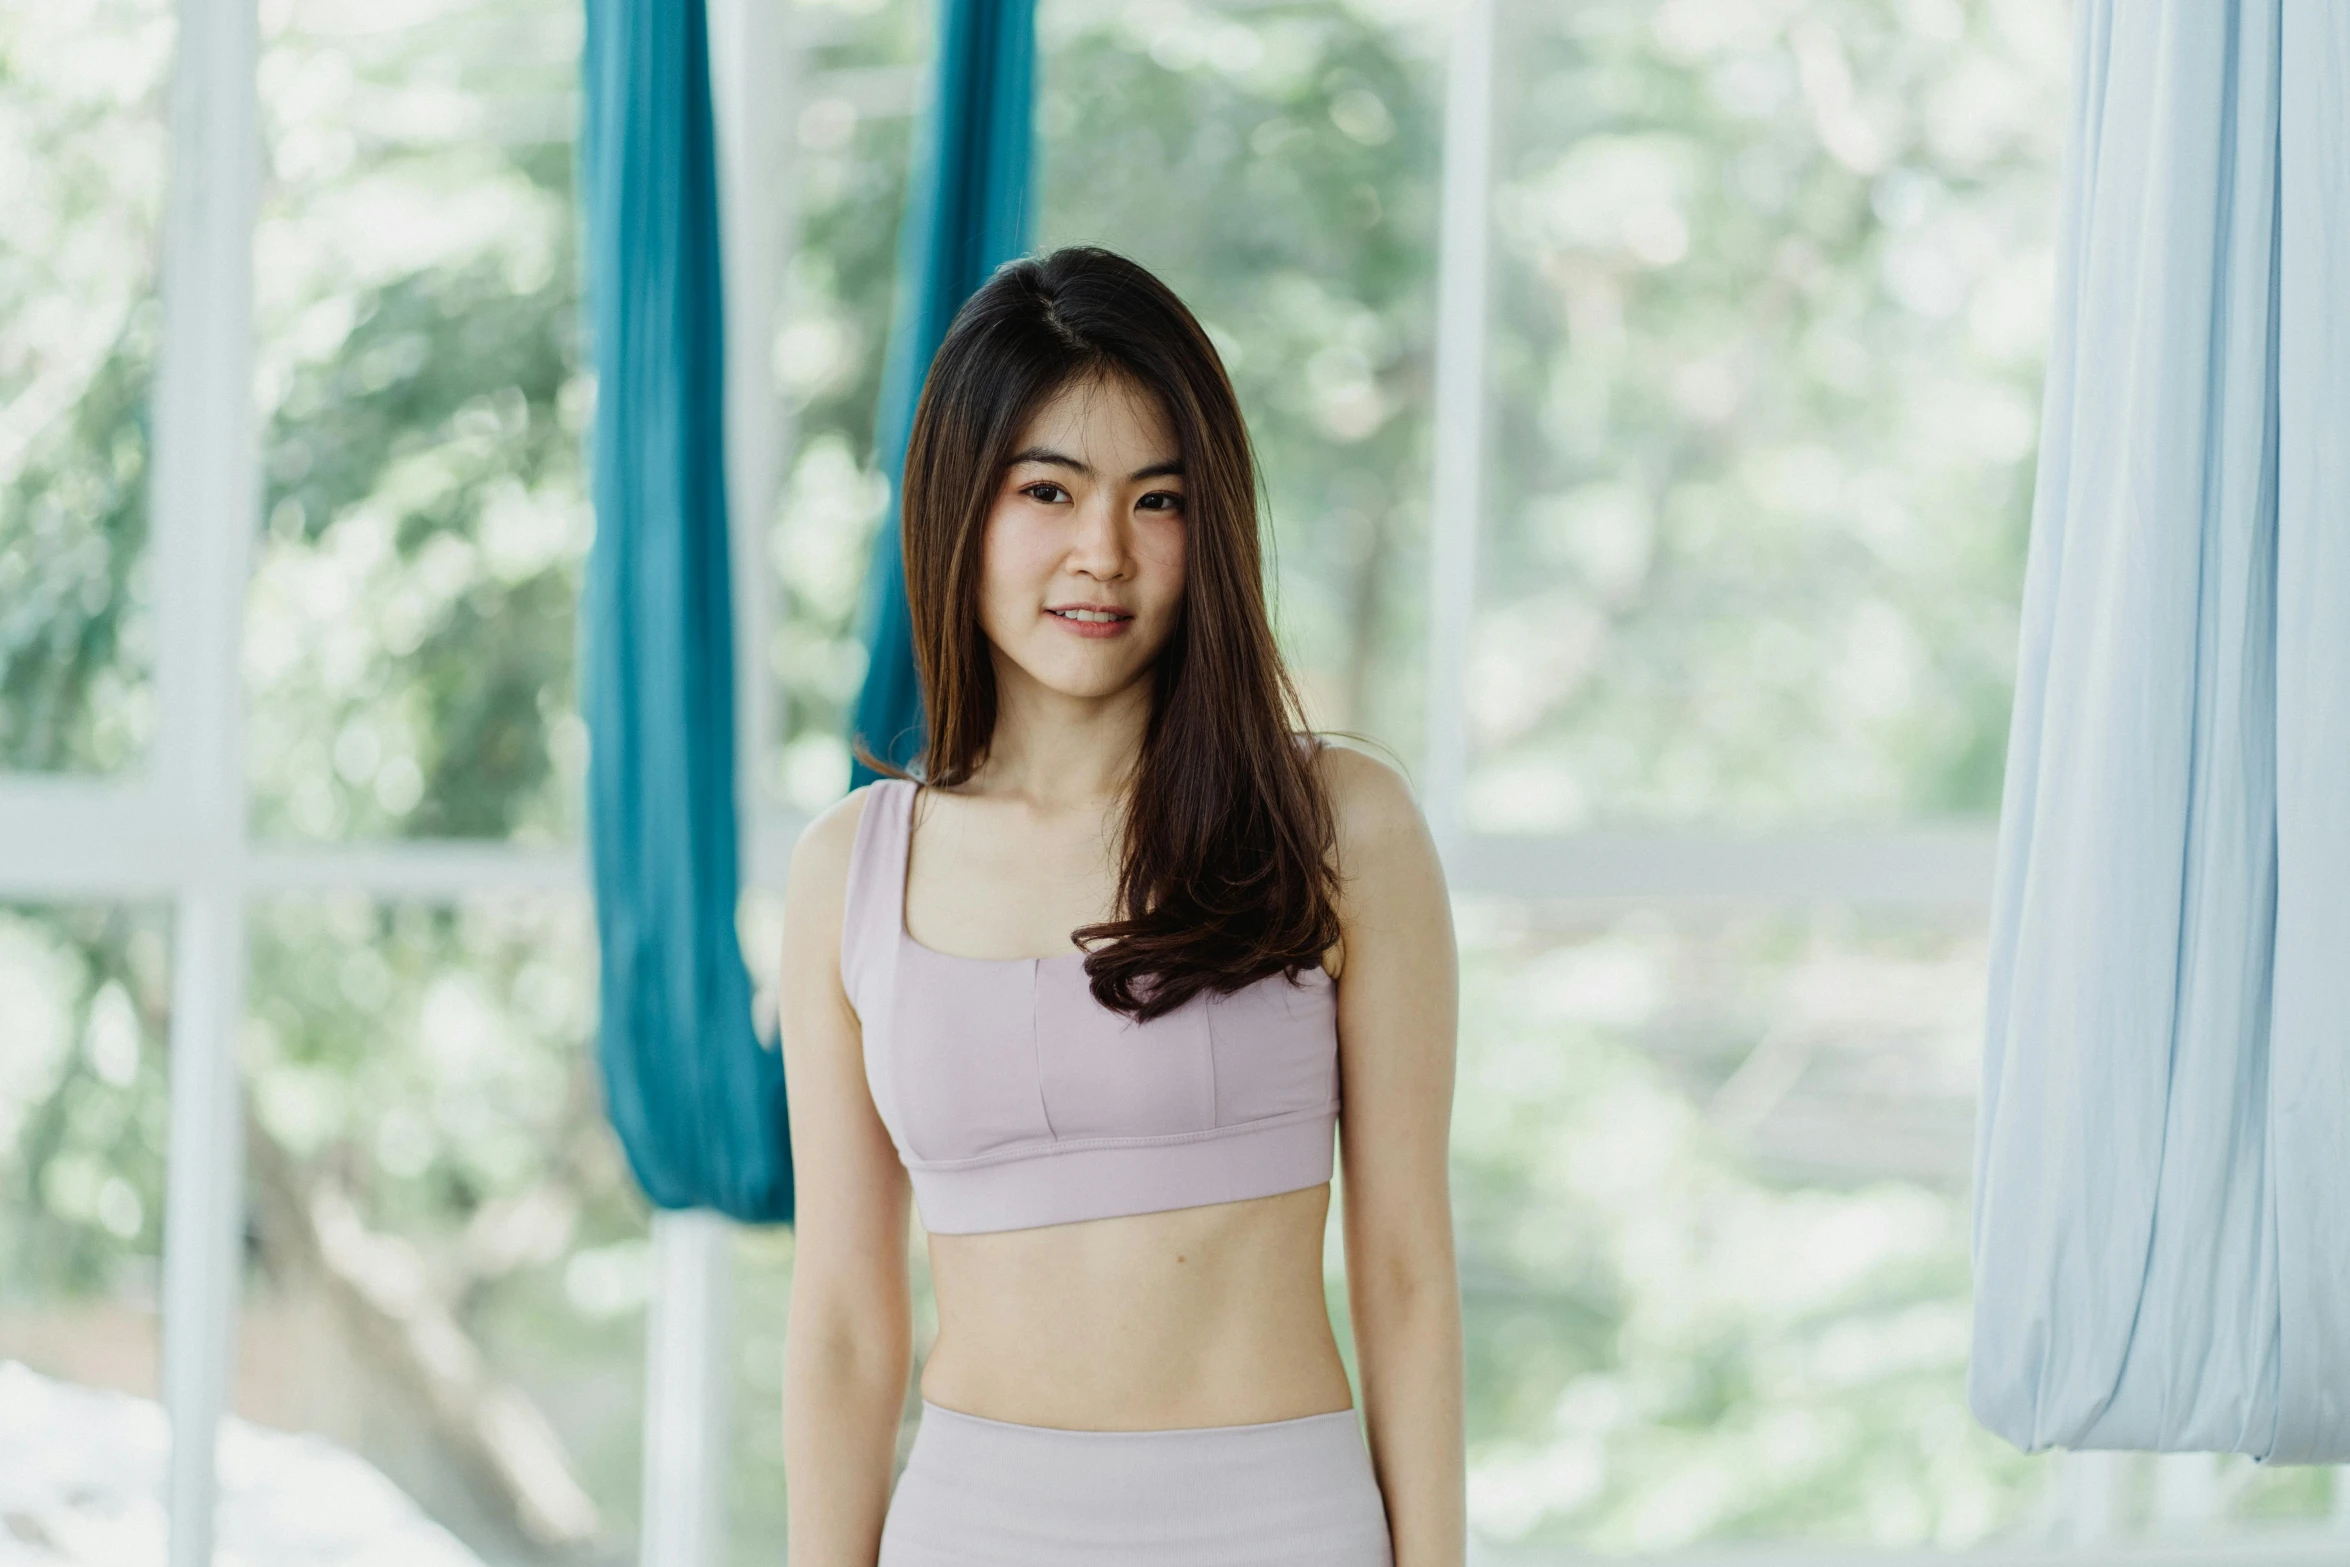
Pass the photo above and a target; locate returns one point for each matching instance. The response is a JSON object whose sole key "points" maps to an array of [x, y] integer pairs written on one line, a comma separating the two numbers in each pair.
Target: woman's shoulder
{"points": [[1369, 795], [832, 832], [1385, 855], [818, 878]]}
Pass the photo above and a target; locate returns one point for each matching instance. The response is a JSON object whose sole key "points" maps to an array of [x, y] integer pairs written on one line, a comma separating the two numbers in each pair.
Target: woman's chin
{"points": [[1084, 678]]}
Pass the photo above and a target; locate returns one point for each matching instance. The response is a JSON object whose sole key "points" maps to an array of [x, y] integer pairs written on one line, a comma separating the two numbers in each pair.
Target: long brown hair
{"points": [[1225, 875]]}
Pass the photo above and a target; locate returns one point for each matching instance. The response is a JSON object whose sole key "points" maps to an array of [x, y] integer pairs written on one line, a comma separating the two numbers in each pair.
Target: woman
{"points": [[1101, 987]]}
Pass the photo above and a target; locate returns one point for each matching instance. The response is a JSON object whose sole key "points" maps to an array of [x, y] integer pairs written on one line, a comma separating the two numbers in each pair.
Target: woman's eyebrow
{"points": [[1045, 454], [1172, 468]]}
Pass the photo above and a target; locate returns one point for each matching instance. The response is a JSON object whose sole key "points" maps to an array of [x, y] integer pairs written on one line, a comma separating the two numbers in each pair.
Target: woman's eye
{"points": [[1161, 500], [1044, 490]]}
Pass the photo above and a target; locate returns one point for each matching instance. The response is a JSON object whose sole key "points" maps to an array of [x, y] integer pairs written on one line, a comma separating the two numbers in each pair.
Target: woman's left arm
{"points": [[1398, 1008]]}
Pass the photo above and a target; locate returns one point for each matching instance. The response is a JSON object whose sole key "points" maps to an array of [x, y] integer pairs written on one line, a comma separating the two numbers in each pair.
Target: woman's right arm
{"points": [[848, 1346]]}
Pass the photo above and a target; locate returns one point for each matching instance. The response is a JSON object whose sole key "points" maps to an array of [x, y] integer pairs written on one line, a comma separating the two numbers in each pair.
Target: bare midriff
{"points": [[1205, 1316]]}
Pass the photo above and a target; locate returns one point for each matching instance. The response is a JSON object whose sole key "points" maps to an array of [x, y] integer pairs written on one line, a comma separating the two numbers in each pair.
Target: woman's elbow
{"points": [[861, 1325]]}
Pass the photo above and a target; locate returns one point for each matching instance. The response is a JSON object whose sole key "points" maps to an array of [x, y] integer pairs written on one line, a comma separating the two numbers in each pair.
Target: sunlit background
{"points": [[1769, 287]]}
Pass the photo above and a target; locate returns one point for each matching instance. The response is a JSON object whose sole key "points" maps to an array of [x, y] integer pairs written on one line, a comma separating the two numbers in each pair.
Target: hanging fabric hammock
{"points": [[967, 212], [2162, 1223], [696, 1100]]}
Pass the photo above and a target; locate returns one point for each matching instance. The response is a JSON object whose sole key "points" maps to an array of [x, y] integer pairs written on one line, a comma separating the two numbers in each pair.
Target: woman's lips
{"points": [[1089, 628]]}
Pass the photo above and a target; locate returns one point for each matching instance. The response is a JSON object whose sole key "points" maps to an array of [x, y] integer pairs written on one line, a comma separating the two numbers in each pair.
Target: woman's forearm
{"points": [[1408, 1352], [844, 1392]]}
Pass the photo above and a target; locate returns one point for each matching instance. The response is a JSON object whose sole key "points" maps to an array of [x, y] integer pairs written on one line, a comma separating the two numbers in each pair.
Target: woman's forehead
{"points": [[1101, 414]]}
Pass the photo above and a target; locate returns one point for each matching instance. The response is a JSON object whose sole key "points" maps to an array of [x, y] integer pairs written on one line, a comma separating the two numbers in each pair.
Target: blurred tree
{"points": [[444, 401], [864, 64], [81, 132], [82, 988], [409, 637], [1771, 298], [429, 1160]]}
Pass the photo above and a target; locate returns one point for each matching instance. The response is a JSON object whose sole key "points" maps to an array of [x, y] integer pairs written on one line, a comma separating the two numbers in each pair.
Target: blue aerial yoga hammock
{"points": [[2162, 1223], [697, 1102], [967, 212]]}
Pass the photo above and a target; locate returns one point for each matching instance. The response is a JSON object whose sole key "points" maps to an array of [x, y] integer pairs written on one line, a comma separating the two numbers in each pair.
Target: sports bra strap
{"points": [[872, 910]]}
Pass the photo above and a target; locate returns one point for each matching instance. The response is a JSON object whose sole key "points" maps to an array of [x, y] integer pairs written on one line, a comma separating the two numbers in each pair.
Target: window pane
{"points": [[409, 632], [863, 66], [1711, 1176], [1713, 1231], [1277, 165], [84, 148], [84, 1121], [451, 1260], [1771, 292]]}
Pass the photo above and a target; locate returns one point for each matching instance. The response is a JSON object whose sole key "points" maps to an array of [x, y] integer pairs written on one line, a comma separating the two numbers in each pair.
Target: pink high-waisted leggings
{"points": [[987, 1493]]}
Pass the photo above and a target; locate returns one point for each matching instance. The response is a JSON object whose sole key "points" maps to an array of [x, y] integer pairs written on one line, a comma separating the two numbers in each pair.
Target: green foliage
{"points": [[410, 636], [446, 393], [83, 1104], [1672, 1336], [435, 1066], [1770, 302], [81, 134], [853, 135], [73, 525]]}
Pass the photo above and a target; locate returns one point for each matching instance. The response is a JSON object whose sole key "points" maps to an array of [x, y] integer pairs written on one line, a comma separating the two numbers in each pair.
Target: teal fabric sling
{"points": [[696, 1100], [967, 212]]}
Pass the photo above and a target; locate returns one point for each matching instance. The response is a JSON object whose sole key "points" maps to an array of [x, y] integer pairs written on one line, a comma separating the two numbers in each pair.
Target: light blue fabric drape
{"points": [[2162, 1223], [967, 212], [697, 1102]]}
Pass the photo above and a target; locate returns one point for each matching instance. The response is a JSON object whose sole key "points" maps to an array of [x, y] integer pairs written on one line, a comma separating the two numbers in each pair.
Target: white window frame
{"points": [[177, 827]]}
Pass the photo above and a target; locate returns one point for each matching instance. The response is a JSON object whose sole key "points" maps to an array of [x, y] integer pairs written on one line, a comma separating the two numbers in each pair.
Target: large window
{"points": [[1646, 393]]}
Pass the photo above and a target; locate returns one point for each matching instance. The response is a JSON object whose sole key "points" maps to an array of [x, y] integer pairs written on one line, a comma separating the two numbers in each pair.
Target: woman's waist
{"points": [[1121, 1381], [1202, 1318], [1185, 1323]]}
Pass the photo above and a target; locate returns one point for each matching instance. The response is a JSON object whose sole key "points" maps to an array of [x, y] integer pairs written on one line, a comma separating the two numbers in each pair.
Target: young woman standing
{"points": [[1100, 985]]}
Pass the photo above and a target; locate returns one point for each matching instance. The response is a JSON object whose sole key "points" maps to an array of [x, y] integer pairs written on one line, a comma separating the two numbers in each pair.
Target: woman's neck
{"points": [[1060, 751]]}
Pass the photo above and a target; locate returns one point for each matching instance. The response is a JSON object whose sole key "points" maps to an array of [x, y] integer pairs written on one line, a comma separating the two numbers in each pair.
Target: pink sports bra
{"points": [[1015, 1099]]}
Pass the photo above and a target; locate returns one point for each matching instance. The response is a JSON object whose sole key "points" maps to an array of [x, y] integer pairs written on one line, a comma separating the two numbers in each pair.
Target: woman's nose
{"points": [[1100, 545]]}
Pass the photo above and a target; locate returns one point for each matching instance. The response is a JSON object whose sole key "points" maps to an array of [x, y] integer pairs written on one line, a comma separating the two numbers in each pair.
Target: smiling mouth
{"points": [[1090, 617]]}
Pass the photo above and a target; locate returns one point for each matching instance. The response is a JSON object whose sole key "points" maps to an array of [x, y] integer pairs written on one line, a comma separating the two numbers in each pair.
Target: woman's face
{"points": [[1082, 560]]}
